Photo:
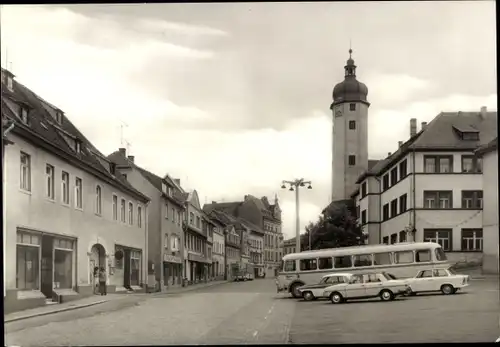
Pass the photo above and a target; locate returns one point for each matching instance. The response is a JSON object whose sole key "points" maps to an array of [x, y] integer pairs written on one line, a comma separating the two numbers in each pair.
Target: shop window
{"points": [[28, 261]]}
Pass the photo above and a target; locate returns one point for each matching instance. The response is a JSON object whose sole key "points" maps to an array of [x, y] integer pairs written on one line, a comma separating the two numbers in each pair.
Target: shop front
{"points": [[126, 274], [198, 268], [172, 270]]}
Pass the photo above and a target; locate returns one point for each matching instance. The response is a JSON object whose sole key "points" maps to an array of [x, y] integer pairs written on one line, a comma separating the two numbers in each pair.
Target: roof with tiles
{"points": [[43, 126], [442, 133], [489, 147]]}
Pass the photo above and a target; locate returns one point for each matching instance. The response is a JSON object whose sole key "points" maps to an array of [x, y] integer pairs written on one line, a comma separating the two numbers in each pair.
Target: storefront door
{"points": [[47, 270], [126, 268]]}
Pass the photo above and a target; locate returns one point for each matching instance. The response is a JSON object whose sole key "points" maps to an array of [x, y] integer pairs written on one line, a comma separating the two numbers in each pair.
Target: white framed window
{"points": [[130, 213], [98, 200], [166, 211], [173, 215], [28, 261], [122, 211], [65, 187], [78, 193], [25, 169], [115, 207], [49, 176], [24, 114], [139, 216], [440, 236], [165, 242], [472, 240]]}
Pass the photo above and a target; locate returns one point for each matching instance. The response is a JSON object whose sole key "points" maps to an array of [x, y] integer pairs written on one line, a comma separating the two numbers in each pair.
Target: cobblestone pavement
{"points": [[252, 312]]}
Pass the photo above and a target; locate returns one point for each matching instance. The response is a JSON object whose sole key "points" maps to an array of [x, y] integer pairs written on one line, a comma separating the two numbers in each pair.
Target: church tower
{"points": [[350, 132]]}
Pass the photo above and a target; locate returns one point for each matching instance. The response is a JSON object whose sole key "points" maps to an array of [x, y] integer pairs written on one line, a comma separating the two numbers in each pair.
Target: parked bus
{"points": [[401, 260]]}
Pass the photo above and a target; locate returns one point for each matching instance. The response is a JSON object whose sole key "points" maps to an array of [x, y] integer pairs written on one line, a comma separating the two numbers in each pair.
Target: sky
{"points": [[233, 98]]}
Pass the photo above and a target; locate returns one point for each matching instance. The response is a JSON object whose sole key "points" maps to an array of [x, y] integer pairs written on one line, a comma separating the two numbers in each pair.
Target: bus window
{"points": [[290, 266], [403, 257], [363, 260], [423, 256], [382, 258], [440, 255], [325, 263], [342, 262], [308, 264]]}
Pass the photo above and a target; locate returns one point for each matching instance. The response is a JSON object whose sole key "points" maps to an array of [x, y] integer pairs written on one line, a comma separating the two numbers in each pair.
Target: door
{"points": [[47, 269], [439, 277], [373, 284], [423, 281], [356, 288], [126, 268]]}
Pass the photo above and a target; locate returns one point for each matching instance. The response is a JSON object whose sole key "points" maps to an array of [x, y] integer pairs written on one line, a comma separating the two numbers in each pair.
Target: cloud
{"points": [[183, 28]]}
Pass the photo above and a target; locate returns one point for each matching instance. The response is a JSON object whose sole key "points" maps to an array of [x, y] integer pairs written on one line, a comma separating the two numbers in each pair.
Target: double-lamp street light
{"points": [[296, 185]]}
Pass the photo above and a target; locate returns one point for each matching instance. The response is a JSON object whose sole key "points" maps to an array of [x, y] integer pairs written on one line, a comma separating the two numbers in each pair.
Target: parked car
{"points": [[366, 285], [314, 291], [443, 280]]}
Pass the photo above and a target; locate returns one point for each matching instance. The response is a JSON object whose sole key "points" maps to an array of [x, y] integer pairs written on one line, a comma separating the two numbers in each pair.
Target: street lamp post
{"points": [[295, 185]]}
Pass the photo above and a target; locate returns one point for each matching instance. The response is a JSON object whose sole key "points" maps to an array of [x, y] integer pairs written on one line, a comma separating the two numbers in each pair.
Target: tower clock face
{"points": [[338, 112]]}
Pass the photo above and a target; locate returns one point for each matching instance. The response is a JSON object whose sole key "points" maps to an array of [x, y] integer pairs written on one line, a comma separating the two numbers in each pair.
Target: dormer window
{"points": [[112, 168], [78, 146], [59, 117], [10, 84], [470, 136], [169, 191], [23, 113], [467, 133]]}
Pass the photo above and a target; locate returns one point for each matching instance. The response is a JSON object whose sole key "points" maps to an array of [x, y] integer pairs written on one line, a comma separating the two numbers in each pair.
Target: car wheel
{"points": [[386, 295], [295, 290], [447, 289], [336, 298], [308, 296]]}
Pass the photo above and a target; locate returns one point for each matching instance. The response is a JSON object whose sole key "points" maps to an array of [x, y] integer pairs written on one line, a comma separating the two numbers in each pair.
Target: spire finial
{"points": [[350, 48]]}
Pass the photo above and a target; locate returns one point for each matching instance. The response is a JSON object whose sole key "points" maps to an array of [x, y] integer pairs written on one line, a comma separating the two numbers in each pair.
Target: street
{"points": [[252, 312]]}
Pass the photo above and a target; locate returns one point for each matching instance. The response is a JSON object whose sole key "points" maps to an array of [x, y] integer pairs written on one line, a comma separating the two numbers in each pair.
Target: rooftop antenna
{"points": [[128, 146], [122, 126]]}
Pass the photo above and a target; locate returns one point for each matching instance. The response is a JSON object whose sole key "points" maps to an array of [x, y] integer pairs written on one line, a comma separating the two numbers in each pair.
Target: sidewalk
{"points": [[94, 300]]}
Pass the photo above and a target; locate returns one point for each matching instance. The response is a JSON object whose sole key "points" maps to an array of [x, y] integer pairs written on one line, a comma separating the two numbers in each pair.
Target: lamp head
{"points": [[309, 187], [283, 186], [291, 189]]}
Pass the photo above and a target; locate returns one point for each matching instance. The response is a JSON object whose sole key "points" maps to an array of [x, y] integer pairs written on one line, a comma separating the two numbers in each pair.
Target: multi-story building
{"points": [[261, 213], [431, 188], [289, 246], [489, 155], [208, 227], [195, 241], [165, 251], [256, 239], [218, 249], [61, 220]]}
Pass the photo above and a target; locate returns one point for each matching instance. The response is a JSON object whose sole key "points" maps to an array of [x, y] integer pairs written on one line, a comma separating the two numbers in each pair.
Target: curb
{"points": [[70, 308], [188, 289]]}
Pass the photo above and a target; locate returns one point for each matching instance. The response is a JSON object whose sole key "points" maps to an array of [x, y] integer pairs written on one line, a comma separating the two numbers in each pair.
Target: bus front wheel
{"points": [[295, 290]]}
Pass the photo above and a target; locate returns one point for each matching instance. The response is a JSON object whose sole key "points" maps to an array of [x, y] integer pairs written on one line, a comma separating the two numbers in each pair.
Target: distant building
{"points": [[165, 246], [266, 216], [489, 155], [431, 187], [218, 249], [60, 222]]}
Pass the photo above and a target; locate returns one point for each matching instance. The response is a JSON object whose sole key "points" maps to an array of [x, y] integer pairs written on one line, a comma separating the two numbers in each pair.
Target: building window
{"points": [[472, 239], [403, 203], [59, 117], [115, 207], [472, 199], [363, 217], [173, 215], [394, 176], [139, 216], [352, 160], [471, 164], [441, 236], [385, 182], [78, 192], [394, 207], [352, 107], [78, 146], [130, 213], [394, 238], [166, 211], [364, 189], [23, 111], [65, 187], [385, 240], [385, 212], [135, 267], [402, 236], [98, 200], [191, 218], [25, 172], [165, 242], [122, 210], [178, 218], [438, 164], [403, 169], [63, 263], [438, 199], [49, 174], [27, 261], [198, 221], [352, 124], [358, 212]]}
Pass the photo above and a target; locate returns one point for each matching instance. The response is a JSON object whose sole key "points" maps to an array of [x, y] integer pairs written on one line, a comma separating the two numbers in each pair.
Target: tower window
{"points": [[352, 124], [352, 160], [352, 107]]}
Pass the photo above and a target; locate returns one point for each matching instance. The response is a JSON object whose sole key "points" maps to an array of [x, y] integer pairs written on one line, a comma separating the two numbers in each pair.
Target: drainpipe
{"points": [[5, 132], [11, 126], [225, 254], [146, 250], [414, 229], [379, 210]]}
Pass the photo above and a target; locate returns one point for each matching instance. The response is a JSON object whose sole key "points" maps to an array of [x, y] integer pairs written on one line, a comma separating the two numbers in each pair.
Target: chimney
{"points": [[413, 127], [389, 154], [400, 143], [178, 181], [424, 125], [131, 158], [483, 112], [123, 151], [214, 202]]}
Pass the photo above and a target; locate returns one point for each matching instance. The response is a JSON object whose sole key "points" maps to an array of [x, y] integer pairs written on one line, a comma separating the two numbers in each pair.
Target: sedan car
{"points": [[314, 291], [443, 280], [366, 285]]}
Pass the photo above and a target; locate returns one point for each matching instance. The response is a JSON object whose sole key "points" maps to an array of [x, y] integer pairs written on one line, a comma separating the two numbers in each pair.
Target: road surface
{"points": [[252, 312]]}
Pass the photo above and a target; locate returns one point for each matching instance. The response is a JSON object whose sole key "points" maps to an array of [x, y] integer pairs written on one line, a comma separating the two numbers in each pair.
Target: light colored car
{"points": [[314, 291], [443, 280], [366, 285]]}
